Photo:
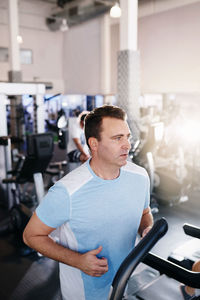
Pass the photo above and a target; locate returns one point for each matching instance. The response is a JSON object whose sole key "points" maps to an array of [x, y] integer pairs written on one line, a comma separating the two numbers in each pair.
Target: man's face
{"points": [[114, 145]]}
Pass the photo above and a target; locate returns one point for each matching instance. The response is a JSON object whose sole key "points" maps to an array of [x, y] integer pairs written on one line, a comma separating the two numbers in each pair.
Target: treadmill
{"points": [[163, 287]]}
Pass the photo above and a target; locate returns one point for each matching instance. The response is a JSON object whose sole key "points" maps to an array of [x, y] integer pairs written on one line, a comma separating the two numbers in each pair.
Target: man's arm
{"points": [[36, 236], [146, 222], [83, 156], [80, 147]]}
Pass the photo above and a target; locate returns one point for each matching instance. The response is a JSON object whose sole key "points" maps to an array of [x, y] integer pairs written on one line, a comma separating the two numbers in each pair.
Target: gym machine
{"points": [[186, 254], [8, 93], [166, 186], [140, 254], [29, 169], [18, 89]]}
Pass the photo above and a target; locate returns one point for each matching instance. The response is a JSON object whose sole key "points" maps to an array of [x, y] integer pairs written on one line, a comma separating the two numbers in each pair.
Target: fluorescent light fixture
{"points": [[64, 27], [115, 11]]}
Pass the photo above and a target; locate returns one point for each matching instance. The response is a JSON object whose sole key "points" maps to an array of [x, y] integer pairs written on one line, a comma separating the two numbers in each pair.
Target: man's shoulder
{"points": [[74, 180], [134, 169]]}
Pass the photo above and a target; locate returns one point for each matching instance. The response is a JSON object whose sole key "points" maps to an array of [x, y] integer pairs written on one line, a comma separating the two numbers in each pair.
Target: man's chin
{"points": [[123, 163]]}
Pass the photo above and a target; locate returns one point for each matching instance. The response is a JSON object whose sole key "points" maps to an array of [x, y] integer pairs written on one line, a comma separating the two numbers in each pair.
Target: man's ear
{"points": [[92, 141]]}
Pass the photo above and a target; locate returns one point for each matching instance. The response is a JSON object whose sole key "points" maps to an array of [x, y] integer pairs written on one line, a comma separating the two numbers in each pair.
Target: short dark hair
{"points": [[83, 117], [93, 120]]}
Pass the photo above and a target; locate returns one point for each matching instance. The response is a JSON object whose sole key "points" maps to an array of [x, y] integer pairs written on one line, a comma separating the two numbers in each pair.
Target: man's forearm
{"points": [[36, 236], [87, 262], [79, 146], [47, 247]]}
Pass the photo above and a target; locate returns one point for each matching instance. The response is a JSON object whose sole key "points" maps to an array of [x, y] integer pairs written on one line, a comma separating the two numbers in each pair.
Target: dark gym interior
{"points": [[60, 59]]}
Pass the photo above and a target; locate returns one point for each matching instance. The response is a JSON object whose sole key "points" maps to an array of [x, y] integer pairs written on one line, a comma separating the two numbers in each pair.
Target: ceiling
{"points": [[79, 11], [76, 11]]}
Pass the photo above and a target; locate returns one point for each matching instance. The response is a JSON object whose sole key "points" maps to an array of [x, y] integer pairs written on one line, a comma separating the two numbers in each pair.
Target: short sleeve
{"points": [[54, 210]]}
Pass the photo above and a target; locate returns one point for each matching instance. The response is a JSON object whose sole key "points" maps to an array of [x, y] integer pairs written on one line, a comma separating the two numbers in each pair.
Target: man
{"points": [[98, 209], [77, 149]]}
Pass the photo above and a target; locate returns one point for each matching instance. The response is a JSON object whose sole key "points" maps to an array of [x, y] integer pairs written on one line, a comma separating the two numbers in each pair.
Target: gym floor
{"points": [[33, 277]]}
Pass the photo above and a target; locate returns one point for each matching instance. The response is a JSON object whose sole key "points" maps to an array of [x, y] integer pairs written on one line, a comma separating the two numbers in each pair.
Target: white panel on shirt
{"points": [[70, 278], [77, 179], [133, 168]]}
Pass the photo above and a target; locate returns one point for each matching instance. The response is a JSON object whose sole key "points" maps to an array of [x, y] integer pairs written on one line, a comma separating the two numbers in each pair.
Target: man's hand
{"points": [[146, 230], [92, 265], [146, 222], [84, 157]]}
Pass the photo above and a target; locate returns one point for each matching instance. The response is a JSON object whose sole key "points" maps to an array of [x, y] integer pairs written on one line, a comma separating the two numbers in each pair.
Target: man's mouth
{"points": [[124, 155]]}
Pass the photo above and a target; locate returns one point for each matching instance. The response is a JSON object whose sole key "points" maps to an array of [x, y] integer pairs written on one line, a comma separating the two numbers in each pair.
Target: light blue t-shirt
{"points": [[89, 211]]}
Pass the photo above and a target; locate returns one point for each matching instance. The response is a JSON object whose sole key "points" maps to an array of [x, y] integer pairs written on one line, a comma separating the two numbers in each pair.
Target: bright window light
{"points": [[190, 132]]}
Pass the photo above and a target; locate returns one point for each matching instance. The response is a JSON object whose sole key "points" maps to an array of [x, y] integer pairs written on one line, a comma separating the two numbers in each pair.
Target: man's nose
{"points": [[127, 144]]}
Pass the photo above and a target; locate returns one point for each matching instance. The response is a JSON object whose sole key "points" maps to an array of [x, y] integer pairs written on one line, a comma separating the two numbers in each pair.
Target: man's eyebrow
{"points": [[121, 134], [116, 135]]}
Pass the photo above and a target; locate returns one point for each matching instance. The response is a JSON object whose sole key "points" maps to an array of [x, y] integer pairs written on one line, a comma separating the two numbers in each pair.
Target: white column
{"points": [[40, 109], [129, 25], [5, 151], [105, 55], [40, 113], [14, 55], [3, 127], [129, 65]]}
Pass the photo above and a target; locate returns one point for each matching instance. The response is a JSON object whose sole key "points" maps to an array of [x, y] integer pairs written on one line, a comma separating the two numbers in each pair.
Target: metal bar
{"points": [[135, 257], [172, 270]]}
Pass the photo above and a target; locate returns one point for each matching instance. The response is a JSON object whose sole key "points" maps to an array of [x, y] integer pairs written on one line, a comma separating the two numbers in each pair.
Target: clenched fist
{"points": [[92, 265]]}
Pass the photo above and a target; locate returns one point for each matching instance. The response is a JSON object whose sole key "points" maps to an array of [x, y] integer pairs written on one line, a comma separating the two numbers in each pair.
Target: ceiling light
{"points": [[115, 11], [19, 39], [64, 27]]}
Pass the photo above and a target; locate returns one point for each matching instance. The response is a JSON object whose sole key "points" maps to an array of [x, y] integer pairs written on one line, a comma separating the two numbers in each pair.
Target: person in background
{"points": [[77, 148], [97, 209]]}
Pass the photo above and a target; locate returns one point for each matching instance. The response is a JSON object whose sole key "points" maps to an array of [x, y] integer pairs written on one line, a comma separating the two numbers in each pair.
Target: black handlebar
{"points": [[172, 270], [191, 230], [135, 257], [140, 254]]}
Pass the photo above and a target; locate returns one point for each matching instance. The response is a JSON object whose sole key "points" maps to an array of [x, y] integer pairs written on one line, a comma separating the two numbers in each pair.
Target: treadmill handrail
{"points": [[191, 230], [173, 270], [129, 264]]}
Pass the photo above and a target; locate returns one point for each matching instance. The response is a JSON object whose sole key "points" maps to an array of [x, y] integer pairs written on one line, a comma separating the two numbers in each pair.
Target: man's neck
{"points": [[103, 171]]}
